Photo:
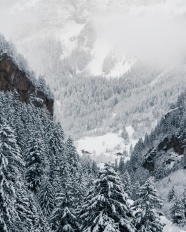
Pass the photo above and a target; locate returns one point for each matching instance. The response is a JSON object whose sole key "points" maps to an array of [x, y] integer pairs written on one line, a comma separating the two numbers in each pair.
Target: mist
{"points": [[153, 33], [150, 31]]}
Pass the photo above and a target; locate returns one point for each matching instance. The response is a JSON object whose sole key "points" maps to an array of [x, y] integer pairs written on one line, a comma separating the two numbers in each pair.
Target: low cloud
{"points": [[150, 30], [153, 33]]}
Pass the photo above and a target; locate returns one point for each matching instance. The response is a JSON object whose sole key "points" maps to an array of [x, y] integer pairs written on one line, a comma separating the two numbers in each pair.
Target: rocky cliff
{"points": [[15, 80], [163, 151]]}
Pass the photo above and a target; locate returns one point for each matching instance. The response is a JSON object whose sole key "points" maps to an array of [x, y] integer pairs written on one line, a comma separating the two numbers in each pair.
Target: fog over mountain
{"points": [[138, 46], [92, 115], [121, 31]]}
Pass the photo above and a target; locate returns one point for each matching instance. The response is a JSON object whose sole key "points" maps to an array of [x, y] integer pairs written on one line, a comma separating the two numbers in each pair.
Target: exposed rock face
{"points": [[165, 145], [149, 161], [174, 143], [14, 80]]}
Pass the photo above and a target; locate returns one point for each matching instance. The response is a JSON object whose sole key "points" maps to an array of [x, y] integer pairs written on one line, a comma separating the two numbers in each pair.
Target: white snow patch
{"points": [[101, 165], [169, 227], [170, 111], [178, 180], [130, 131], [99, 52], [132, 141], [157, 79], [107, 145], [121, 68]]}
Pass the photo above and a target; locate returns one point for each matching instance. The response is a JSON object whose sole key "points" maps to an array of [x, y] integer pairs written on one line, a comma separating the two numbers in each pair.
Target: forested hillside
{"points": [[45, 185], [80, 46], [161, 154], [163, 150], [109, 84], [44, 182], [90, 105]]}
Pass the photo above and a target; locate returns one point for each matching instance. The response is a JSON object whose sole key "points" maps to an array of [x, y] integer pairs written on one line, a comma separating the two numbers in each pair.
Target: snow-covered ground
{"points": [[178, 180], [169, 227], [105, 147]]}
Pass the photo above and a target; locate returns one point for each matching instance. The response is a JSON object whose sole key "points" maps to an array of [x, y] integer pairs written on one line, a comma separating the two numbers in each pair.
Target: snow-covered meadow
{"points": [[107, 147]]}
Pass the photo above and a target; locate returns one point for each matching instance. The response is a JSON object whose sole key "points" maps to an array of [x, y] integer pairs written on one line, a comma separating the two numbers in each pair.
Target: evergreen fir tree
{"points": [[148, 203], [94, 169], [57, 156], [26, 209], [125, 136], [171, 194], [46, 198], [184, 158], [106, 207], [160, 172], [127, 183], [64, 218], [136, 156], [184, 201], [121, 166], [72, 156], [135, 190], [11, 166], [177, 211], [35, 162]]}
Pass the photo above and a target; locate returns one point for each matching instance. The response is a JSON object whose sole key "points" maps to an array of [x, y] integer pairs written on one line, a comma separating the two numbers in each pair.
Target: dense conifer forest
{"points": [[46, 186]]}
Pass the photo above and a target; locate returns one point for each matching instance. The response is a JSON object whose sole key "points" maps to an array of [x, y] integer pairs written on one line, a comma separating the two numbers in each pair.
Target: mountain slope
{"points": [[163, 150], [105, 72]]}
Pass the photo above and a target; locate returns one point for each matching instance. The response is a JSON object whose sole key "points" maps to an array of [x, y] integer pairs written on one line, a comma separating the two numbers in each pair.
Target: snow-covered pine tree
{"points": [[19, 126], [136, 156], [160, 172], [184, 201], [127, 183], [94, 169], [87, 173], [121, 166], [135, 190], [171, 194], [26, 209], [35, 161], [46, 197], [148, 205], [63, 218], [57, 156], [106, 207], [116, 165], [177, 211], [72, 156], [184, 158], [11, 167], [125, 136]]}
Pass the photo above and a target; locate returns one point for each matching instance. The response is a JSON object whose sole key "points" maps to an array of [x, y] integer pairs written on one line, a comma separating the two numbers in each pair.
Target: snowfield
{"points": [[178, 180], [105, 147], [169, 227]]}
